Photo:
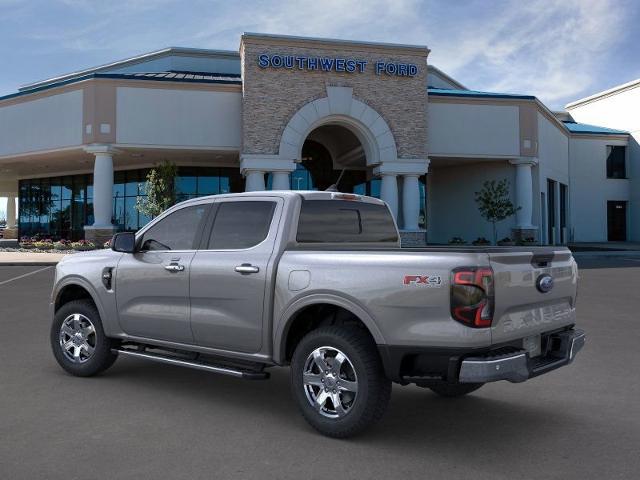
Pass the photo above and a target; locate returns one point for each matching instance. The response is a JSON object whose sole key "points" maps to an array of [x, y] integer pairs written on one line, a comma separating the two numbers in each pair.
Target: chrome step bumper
{"points": [[518, 366]]}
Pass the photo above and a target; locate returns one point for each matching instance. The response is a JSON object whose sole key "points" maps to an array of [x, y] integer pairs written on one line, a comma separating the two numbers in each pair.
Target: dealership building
{"points": [[304, 113]]}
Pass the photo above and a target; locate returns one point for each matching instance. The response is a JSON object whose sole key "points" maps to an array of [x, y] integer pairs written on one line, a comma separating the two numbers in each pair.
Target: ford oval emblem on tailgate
{"points": [[544, 283]]}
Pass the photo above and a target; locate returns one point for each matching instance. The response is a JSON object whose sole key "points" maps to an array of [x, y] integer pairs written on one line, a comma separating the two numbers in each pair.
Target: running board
{"points": [[246, 374]]}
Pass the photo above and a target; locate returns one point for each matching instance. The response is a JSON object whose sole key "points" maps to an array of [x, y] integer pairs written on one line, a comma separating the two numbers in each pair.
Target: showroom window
{"points": [[60, 207]]}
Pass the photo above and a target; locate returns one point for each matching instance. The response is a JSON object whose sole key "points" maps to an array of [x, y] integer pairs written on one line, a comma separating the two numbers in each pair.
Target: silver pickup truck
{"points": [[235, 284]]}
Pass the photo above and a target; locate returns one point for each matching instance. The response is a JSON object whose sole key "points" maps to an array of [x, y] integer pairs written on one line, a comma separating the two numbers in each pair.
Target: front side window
{"points": [[177, 231], [616, 162], [241, 225]]}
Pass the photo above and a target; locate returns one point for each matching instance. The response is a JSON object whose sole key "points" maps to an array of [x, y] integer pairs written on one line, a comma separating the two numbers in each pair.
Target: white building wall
{"points": [[590, 189], [453, 211], [553, 163], [620, 110], [457, 129], [189, 118], [46, 123]]}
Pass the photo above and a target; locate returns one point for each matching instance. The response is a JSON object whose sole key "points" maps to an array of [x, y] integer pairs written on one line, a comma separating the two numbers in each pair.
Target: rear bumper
{"points": [[518, 366], [426, 365]]}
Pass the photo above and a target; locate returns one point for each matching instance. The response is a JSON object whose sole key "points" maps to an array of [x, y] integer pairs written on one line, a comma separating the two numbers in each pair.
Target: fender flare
{"points": [[85, 285], [288, 315]]}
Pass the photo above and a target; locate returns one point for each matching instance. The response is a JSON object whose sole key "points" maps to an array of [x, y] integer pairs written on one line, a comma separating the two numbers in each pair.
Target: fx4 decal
{"points": [[422, 280]]}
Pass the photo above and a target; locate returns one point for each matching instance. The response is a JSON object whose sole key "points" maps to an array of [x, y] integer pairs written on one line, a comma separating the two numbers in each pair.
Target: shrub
{"points": [[62, 245], [481, 241], [457, 241], [83, 245]]}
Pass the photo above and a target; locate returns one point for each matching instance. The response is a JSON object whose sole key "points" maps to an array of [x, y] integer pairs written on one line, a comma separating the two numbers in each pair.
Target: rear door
{"points": [[152, 285], [229, 274], [524, 303]]}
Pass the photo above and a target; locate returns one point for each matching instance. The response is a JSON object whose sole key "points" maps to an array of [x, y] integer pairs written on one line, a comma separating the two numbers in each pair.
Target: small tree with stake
{"points": [[494, 203], [160, 190]]}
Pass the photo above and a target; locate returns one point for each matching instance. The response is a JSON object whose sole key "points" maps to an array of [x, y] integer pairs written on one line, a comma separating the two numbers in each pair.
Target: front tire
{"points": [[338, 381], [78, 340]]}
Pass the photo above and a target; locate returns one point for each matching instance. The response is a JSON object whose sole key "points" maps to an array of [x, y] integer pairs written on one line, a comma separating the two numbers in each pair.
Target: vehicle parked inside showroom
{"points": [[235, 284]]}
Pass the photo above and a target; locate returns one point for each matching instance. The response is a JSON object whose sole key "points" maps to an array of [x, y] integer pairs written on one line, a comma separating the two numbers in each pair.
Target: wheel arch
{"points": [[76, 288], [295, 313]]}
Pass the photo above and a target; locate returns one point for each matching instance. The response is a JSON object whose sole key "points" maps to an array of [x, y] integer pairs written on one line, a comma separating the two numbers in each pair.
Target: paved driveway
{"points": [[145, 420]]}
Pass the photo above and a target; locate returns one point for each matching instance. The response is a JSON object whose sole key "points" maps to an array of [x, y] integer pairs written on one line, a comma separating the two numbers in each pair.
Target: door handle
{"points": [[247, 268], [174, 267]]}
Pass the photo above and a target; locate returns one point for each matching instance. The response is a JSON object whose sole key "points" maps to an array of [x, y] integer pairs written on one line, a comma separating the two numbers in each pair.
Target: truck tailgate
{"points": [[522, 306]]}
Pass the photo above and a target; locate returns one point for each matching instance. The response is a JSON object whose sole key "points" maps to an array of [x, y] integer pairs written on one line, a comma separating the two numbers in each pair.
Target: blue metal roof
{"points": [[444, 92], [575, 127], [173, 76]]}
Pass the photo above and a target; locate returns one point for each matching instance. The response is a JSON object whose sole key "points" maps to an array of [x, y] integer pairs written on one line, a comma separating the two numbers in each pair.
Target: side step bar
{"points": [[246, 374]]}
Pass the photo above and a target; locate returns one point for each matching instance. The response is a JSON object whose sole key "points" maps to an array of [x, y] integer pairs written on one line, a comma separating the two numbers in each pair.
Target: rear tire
{"points": [[338, 381], [78, 340], [456, 389]]}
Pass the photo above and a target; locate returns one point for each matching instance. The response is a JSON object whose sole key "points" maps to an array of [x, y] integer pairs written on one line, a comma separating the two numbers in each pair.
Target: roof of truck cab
{"points": [[306, 194]]}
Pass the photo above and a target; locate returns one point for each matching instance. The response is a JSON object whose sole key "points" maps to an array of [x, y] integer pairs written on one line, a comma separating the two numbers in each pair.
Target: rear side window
{"points": [[241, 224], [343, 221]]}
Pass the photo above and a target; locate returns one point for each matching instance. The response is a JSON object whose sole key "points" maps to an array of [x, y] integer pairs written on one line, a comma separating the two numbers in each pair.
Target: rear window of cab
{"points": [[345, 221]]}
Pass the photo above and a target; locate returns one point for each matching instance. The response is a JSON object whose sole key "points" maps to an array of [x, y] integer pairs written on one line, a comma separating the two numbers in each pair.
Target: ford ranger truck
{"points": [[235, 284]]}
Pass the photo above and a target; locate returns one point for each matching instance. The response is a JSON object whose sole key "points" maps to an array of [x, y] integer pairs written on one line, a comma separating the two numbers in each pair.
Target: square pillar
{"points": [[11, 231]]}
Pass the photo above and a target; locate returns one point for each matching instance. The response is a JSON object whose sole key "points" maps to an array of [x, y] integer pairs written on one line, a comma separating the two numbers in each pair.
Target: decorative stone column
{"points": [[102, 228], [11, 232], [389, 192], [254, 181], [280, 180], [410, 202], [254, 167], [524, 197]]}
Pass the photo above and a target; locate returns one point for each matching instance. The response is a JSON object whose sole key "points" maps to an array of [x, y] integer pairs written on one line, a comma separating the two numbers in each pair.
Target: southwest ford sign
{"points": [[331, 64]]}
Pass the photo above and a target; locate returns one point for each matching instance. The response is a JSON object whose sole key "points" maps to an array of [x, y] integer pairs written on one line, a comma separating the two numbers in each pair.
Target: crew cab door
{"points": [[152, 285], [229, 273]]}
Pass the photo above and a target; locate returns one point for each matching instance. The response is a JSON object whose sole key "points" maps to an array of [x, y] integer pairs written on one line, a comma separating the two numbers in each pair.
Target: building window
{"points": [[616, 162], [60, 207]]}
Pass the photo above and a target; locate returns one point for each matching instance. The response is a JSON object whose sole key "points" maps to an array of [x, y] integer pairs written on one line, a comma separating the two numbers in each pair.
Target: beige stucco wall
{"points": [[49, 122], [272, 96]]}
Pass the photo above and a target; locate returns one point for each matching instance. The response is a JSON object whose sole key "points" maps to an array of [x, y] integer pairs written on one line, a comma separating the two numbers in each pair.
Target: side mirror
{"points": [[124, 242]]}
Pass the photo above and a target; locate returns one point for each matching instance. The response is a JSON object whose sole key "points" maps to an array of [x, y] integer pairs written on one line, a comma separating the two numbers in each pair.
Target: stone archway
{"points": [[340, 108]]}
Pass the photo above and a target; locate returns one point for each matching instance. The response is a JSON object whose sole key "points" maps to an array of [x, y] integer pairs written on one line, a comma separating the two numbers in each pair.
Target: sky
{"points": [[558, 50]]}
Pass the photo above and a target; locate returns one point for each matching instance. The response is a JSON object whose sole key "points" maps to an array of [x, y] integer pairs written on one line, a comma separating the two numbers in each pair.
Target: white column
{"points": [[11, 211], [410, 201], [389, 192], [254, 181], [524, 192], [102, 188], [280, 181]]}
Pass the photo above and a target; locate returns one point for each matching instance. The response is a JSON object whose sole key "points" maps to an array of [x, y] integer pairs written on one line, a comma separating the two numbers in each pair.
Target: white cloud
{"points": [[555, 49]]}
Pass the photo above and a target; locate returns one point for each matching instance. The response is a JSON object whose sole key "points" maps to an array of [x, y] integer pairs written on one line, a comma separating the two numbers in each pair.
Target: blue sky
{"points": [[558, 50]]}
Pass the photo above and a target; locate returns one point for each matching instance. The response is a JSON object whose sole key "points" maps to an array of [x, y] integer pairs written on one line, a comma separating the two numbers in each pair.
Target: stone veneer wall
{"points": [[271, 96]]}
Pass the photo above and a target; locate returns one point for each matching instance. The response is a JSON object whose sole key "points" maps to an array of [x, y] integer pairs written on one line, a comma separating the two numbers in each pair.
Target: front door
{"points": [[152, 285], [617, 221], [229, 275]]}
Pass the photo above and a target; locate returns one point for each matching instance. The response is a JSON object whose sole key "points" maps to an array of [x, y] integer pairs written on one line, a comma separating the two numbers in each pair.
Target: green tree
{"points": [[160, 190], [494, 203]]}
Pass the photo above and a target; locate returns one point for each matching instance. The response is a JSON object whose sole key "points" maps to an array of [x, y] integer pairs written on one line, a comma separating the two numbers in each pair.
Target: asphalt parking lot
{"points": [[145, 420]]}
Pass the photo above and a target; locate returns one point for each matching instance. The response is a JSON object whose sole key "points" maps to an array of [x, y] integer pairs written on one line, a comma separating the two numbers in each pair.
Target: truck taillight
{"points": [[472, 296]]}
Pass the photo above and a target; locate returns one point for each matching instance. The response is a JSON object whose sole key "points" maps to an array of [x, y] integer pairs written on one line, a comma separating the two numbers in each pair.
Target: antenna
{"points": [[334, 187]]}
